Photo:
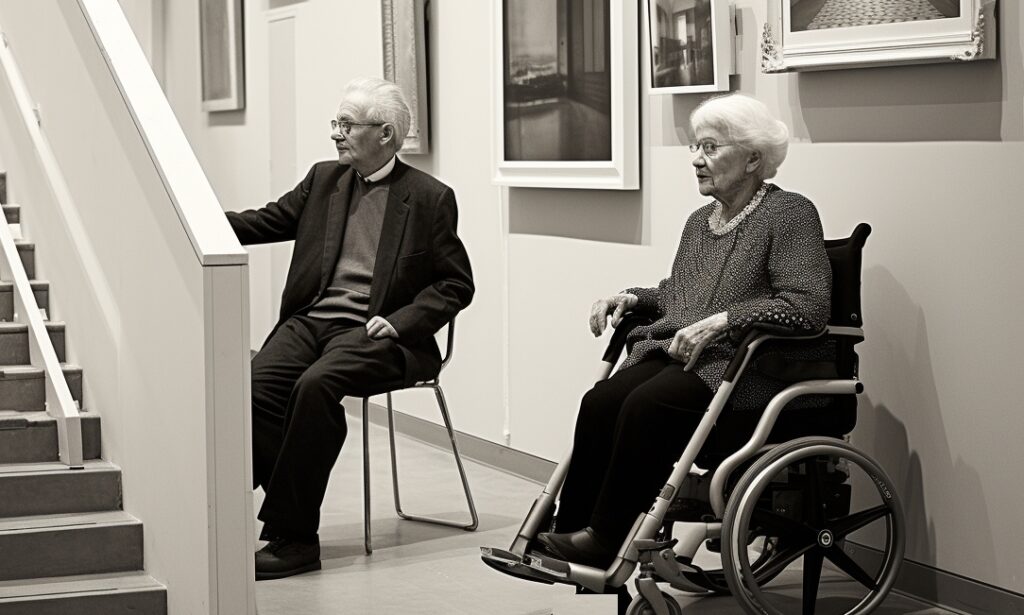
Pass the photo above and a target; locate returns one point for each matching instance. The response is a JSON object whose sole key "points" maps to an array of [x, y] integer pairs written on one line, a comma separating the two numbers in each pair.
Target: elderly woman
{"points": [[754, 254]]}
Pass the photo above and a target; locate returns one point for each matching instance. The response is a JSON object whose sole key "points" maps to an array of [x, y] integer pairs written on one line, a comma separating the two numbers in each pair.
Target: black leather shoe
{"points": [[582, 547], [282, 558]]}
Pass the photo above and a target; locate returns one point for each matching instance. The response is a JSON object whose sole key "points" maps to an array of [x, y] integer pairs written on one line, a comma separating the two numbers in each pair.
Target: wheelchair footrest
{"points": [[530, 566]]}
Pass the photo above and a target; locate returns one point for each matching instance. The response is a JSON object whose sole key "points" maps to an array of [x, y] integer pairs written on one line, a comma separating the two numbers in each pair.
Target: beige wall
{"points": [[929, 155]]}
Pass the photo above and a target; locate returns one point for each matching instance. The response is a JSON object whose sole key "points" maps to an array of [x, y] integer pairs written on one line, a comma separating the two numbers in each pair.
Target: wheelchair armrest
{"points": [[617, 343], [757, 334]]}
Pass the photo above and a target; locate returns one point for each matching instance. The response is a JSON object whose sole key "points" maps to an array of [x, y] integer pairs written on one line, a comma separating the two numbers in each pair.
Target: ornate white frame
{"points": [[405, 63], [971, 36], [622, 172], [722, 16]]}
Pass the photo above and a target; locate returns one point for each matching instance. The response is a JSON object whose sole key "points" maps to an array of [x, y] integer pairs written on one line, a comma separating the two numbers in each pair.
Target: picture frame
{"points": [[222, 59], [689, 46], [567, 109], [404, 24], [808, 35]]}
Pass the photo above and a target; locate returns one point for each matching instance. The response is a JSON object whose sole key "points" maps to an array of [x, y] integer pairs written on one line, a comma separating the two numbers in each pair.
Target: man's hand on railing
{"points": [[616, 306], [690, 341]]}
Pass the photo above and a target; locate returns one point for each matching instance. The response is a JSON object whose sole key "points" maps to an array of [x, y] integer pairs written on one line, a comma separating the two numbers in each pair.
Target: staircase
{"points": [[65, 544]]}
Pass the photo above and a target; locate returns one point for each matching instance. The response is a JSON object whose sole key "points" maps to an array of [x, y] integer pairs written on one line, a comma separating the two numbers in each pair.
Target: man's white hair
{"points": [[387, 104], [749, 124]]}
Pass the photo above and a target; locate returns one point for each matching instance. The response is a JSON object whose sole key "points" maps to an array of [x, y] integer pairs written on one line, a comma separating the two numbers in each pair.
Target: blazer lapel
{"points": [[337, 218], [390, 241]]}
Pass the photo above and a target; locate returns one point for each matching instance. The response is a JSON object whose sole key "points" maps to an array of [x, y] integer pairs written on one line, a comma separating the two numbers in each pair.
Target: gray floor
{"points": [[424, 569]]}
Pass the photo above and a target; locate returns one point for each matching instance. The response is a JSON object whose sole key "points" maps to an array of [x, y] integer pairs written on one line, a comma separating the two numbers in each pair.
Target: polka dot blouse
{"points": [[770, 267]]}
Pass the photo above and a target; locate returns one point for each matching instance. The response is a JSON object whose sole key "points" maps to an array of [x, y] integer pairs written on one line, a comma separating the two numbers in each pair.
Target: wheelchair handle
{"points": [[617, 343]]}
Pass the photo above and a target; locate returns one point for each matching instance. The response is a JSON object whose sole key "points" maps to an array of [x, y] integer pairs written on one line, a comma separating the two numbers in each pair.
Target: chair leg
{"points": [[443, 405], [367, 543]]}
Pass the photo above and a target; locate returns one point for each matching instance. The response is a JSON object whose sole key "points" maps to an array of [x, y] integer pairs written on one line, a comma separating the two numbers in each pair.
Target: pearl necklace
{"points": [[719, 228]]}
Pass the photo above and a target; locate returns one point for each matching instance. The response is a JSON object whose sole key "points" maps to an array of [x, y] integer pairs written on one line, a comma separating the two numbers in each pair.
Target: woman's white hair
{"points": [[387, 104], [748, 123]]}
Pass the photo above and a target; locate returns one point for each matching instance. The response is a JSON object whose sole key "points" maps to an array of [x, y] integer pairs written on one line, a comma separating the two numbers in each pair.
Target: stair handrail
{"points": [[60, 404]]}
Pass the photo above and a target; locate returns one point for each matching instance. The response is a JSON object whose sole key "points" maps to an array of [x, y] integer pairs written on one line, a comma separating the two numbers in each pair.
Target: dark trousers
{"points": [[298, 425], [630, 429]]}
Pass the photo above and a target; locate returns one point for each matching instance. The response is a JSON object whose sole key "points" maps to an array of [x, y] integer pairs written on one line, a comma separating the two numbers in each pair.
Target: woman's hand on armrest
{"points": [[616, 305], [689, 341]]}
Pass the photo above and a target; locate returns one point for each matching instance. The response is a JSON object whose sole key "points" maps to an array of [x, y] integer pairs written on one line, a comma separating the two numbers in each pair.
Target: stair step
{"points": [[12, 213], [23, 387], [69, 544], [133, 593], [31, 437], [14, 342], [52, 488], [39, 288], [27, 253]]}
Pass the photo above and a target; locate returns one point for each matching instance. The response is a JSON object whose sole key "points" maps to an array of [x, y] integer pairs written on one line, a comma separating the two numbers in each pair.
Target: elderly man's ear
{"points": [[753, 162], [389, 134]]}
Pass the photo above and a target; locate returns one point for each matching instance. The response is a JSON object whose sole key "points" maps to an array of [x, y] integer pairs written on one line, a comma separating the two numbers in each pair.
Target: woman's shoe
{"points": [[582, 547]]}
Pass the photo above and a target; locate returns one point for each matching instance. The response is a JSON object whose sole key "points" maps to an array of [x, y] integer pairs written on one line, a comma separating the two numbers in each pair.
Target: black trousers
{"points": [[298, 425], [630, 429]]}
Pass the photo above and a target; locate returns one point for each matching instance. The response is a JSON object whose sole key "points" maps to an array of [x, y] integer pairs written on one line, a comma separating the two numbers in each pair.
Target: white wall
{"points": [[897, 147]]}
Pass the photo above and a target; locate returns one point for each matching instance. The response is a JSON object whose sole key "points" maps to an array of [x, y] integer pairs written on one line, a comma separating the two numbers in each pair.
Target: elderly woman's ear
{"points": [[754, 161]]}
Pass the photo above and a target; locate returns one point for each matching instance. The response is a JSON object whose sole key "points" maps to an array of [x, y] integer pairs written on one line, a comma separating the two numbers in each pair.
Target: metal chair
{"points": [[434, 384]]}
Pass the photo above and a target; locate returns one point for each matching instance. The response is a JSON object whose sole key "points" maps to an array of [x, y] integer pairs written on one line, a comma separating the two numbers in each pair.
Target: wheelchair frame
{"points": [[640, 545], [671, 561]]}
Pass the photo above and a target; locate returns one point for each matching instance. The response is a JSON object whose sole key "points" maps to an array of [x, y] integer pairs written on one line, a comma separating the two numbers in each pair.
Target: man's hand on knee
{"points": [[378, 328]]}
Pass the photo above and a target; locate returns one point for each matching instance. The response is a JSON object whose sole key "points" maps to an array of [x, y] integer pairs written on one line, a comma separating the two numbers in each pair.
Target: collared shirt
{"points": [[380, 173]]}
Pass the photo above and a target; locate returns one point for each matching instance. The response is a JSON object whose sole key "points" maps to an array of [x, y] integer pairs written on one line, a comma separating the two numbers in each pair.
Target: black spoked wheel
{"points": [[640, 606], [800, 492]]}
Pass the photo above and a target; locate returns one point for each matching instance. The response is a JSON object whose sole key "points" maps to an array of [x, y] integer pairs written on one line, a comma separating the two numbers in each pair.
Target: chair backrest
{"points": [[450, 346], [845, 257]]}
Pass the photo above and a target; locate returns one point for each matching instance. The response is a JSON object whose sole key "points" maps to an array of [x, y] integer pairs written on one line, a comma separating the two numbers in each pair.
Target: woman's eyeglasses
{"points": [[709, 148]]}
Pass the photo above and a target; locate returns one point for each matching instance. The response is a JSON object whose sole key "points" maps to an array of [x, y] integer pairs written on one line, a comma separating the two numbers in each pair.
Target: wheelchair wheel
{"points": [[800, 492], [640, 606]]}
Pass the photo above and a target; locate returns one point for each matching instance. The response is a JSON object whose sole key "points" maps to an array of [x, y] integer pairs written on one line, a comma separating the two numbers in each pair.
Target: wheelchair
{"points": [[757, 503]]}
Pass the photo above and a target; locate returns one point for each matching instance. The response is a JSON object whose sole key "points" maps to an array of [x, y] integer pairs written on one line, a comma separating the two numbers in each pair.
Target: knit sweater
{"points": [[772, 267]]}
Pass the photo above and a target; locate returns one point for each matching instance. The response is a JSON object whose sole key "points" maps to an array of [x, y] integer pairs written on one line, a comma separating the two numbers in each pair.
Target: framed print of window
{"points": [[567, 105], [405, 63], [221, 51], [689, 46], [824, 34]]}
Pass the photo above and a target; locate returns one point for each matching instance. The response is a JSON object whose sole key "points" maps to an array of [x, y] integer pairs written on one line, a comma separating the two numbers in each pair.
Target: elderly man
{"points": [[377, 269]]}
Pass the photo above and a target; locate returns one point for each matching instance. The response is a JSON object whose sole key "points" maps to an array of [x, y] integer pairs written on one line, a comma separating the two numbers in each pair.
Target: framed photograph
{"points": [[221, 50], [567, 106], [405, 63], [689, 46], [824, 34]]}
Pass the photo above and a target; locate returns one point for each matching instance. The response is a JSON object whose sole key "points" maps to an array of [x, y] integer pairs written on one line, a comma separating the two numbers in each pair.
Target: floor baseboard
{"points": [[480, 450], [942, 588]]}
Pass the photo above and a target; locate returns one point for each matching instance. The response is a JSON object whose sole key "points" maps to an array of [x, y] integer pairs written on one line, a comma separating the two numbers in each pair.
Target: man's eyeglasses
{"points": [[345, 126], [709, 148]]}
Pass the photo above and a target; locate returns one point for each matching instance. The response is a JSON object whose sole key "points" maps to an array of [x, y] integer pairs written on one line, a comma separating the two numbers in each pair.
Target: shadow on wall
{"points": [[898, 351], [935, 102], [614, 216]]}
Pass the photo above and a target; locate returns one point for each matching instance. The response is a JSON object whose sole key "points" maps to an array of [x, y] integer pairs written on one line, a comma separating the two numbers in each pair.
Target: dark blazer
{"points": [[421, 278]]}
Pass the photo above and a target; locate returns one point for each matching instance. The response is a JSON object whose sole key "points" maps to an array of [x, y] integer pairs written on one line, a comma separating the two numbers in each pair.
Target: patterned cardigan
{"points": [[772, 267]]}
